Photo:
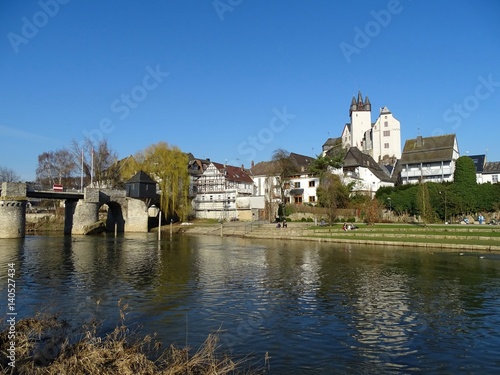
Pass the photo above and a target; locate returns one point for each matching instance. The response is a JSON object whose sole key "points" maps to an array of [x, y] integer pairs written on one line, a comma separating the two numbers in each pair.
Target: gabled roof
{"points": [[301, 161], [332, 142], [491, 167], [264, 168], [141, 177], [197, 166], [235, 174], [267, 168], [429, 149], [355, 158]]}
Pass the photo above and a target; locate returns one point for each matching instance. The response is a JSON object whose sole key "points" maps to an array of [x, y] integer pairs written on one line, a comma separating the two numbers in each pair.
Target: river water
{"points": [[314, 308]]}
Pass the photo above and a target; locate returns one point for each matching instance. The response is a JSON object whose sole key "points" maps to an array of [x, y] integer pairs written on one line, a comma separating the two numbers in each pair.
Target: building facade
{"points": [[429, 159], [381, 139], [222, 192]]}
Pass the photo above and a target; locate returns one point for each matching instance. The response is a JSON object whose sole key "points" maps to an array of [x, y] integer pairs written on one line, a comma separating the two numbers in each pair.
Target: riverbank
{"points": [[460, 237], [45, 345]]}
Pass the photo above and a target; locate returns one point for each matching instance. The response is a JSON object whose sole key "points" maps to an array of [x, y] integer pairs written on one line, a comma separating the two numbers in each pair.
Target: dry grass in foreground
{"points": [[43, 347]]}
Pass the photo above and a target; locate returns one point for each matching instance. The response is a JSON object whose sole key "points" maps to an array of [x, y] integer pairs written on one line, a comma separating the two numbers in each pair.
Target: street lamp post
{"points": [[444, 205]]}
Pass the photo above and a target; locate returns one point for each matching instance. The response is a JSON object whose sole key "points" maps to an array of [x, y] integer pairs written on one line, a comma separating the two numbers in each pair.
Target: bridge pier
{"points": [[69, 211], [86, 213], [13, 210]]}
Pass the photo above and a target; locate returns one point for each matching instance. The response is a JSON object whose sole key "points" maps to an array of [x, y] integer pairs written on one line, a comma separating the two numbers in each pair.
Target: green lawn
{"points": [[484, 235]]}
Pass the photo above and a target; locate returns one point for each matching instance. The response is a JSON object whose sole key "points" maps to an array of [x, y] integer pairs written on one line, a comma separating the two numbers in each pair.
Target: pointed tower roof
{"points": [[360, 98], [141, 177]]}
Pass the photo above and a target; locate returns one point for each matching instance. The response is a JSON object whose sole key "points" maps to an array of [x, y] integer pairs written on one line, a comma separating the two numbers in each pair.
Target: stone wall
{"points": [[12, 218], [137, 216]]}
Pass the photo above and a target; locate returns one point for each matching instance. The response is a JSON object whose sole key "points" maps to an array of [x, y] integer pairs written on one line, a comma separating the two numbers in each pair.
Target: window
{"points": [[386, 123], [312, 199], [494, 178], [312, 183], [387, 133], [298, 200], [386, 145], [296, 185]]}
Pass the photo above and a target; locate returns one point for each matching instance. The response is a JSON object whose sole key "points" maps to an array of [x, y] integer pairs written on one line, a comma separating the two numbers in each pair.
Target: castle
{"points": [[381, 139]]}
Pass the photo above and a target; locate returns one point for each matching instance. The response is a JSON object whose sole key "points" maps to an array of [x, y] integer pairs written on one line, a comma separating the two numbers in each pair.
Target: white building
{"points": [[299, 188], [491, 172], [366, 175], [223, 192], [429, 159], [381, 139]]}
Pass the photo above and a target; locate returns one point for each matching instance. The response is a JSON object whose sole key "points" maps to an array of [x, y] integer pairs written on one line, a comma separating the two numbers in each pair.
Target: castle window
{"points": [[312, 199], [494, 178], [296, 184], [387, 133], [386, 145], [386, 123], [312, 183]]}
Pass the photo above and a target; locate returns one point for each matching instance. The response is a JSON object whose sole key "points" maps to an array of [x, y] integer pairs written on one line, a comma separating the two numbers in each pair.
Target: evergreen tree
{"points": [[465, 185]]}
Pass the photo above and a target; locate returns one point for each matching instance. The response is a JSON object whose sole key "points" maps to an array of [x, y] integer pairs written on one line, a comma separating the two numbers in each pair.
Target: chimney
{"points": [[242, 167], [419, 141], [252, 165]]}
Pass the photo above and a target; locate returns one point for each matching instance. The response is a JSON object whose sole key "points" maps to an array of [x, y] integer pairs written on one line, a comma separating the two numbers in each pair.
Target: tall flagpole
{"points": [[92, 169], [81, 177]]}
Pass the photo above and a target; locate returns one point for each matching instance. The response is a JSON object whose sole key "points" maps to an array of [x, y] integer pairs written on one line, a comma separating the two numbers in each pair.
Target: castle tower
{"points": [[360, 114]]}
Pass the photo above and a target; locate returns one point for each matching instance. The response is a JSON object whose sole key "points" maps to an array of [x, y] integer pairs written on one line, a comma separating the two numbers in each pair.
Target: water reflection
{"points": [[313, 307]]}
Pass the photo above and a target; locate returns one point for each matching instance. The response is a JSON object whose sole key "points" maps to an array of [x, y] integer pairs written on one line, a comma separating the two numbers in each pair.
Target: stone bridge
{"points": [[125, 214]]}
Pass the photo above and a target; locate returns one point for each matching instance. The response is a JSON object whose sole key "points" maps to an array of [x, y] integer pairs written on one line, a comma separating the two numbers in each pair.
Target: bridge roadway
{"points": [[54, 194]]}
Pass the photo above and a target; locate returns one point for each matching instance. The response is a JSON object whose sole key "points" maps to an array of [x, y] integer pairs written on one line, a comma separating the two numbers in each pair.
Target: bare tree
{"points": [[55, 167], [8, 175], [98, 160], [283, 169]]}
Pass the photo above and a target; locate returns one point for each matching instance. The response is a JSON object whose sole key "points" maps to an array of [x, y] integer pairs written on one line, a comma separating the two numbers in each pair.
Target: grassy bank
{"points": [[484, 237], [465, 237], [45, 345]]}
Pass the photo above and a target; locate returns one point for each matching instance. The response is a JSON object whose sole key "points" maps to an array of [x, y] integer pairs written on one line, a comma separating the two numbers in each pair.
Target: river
{"points": [[314, 308]]}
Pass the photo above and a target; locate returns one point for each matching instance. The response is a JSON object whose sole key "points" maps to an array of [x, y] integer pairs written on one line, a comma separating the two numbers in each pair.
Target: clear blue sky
{"points": [[236, 79]]}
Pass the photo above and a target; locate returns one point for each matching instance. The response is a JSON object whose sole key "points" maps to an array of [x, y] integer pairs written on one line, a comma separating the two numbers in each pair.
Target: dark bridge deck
{"points": [[54, 194]]}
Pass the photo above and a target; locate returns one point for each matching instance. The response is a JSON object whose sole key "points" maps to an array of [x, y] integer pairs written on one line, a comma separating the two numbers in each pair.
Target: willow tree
{"points": [[168, 165]]}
